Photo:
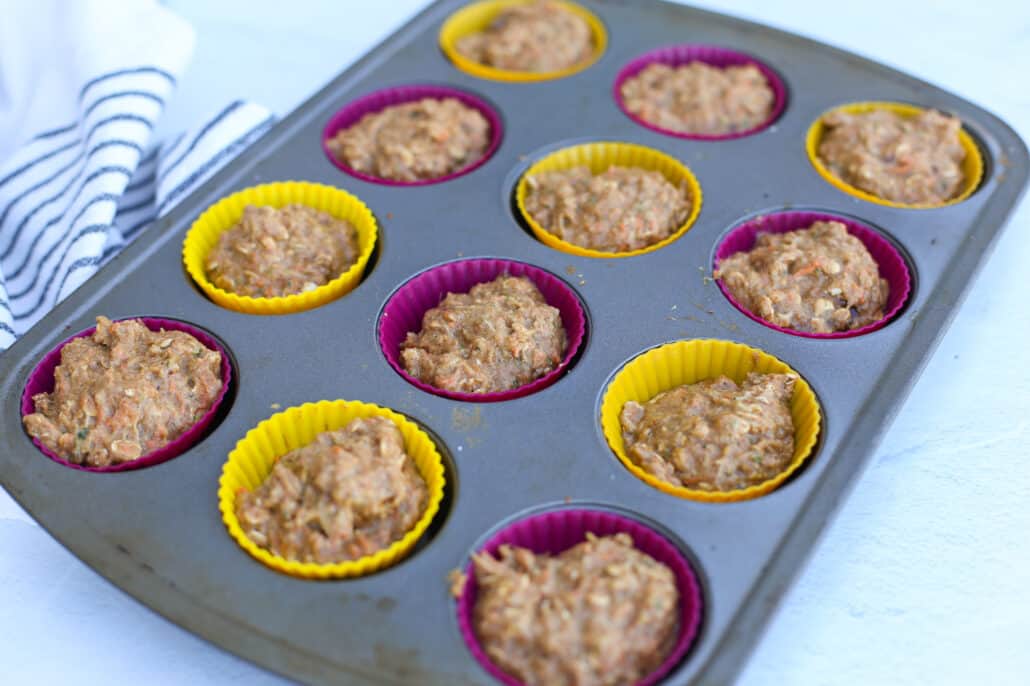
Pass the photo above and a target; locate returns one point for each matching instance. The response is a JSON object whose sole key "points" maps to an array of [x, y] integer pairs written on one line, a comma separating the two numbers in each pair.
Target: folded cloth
{"points": [[81, 87]]}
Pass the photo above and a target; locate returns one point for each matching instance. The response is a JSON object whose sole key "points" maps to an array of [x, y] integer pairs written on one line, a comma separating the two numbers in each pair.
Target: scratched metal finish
{"points": [[157, 534]]}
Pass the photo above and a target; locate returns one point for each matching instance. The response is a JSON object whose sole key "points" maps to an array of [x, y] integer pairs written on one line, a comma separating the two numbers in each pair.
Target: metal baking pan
{"points": [[157, 533]]}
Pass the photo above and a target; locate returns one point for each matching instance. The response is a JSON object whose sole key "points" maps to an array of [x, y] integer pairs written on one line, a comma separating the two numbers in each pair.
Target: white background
{"points": [[924, 575]]}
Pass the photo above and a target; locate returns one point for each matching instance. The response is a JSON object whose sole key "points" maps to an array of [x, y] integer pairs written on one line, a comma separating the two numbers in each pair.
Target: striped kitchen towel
{"points": [[81, 86]]}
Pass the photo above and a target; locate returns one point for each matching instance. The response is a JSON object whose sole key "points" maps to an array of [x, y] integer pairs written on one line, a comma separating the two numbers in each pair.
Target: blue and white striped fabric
{"points": [[79, 176]]}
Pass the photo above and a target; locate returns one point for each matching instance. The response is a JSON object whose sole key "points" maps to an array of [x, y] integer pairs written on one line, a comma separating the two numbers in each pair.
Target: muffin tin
{"points": [[158, 534]]}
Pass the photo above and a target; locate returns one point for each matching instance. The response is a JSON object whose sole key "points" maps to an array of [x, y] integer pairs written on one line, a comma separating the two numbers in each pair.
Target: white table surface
{"points": [[922, 577]]}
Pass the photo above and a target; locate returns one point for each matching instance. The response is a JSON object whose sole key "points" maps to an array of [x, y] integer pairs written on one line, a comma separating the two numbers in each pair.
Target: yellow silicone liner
{"points": [[203, 236], [476, 17], [685, 362], [252, 459], [599, 157], [972, 165]]}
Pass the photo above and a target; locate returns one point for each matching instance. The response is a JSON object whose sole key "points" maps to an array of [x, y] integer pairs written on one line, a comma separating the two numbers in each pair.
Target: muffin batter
{"points": [[912, 160], [276, 252], [714, 435], [347, 494], [601, 613], [818, 279], [618, 210], [124, 392], [535, 37], [498, 336], [425, 139], [699, 98]]}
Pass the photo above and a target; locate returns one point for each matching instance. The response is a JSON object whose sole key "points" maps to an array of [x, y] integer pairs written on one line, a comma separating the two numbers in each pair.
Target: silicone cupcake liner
{"points": [[686, 362], [714, 55], [41, 380], [558, 530], [252, 459], [409, 303], [892, 265], [599, 157], [203, 236], [476, 17], [379, 100], [972, 165]]}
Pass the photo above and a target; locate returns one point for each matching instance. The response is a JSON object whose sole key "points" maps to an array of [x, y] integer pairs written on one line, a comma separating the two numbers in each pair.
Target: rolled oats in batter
{"points": [[621, 209], [540, 36], [500, 335], [274, 252], [912, 160], [699, 98], [347, 494], [714, 435], [124, 392], [818, 279], [602, 613], [414, 141]]}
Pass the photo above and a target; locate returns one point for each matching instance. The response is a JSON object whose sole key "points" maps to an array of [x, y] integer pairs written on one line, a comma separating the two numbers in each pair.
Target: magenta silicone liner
{"points": [[405, 308], [42, 381], [892, 265], [555, 531], [678, 55], [374, 102]]}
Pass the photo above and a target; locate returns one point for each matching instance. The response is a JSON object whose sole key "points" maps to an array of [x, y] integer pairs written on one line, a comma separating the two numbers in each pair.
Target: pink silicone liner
{"points": [[678, 55], [42, 381], [892, 265], [405, 308], [558, 530], [374, 102]]}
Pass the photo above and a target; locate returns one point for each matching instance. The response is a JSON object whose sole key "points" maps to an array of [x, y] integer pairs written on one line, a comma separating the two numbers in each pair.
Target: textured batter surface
{"points": [[498, 336], [818, 279], [123, 392], [347, 494], [425, 139], [274, 252], [599, 614], [536, 37], [913, 160], [699, 98], [618, 210], [714, 435]]}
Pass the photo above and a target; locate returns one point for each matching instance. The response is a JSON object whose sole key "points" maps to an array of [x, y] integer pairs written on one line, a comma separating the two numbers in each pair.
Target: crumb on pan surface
{"points": [[456, 580]]}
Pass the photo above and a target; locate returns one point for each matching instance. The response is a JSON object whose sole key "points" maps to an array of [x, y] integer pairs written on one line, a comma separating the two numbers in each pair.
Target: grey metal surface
{"points": [[157, 534]]}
